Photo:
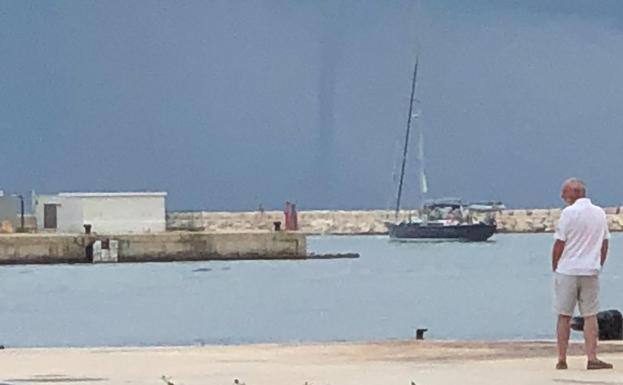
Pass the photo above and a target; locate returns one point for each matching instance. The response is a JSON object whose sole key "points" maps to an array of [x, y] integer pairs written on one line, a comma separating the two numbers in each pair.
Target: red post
{"points": [[286, 213]]}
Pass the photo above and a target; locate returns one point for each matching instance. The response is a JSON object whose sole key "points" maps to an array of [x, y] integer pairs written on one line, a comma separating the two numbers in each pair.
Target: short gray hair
{"points": [[575, 184]]}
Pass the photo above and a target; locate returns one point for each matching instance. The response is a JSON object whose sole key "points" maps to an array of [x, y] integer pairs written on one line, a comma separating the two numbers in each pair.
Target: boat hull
{"points": [[478, 232]]}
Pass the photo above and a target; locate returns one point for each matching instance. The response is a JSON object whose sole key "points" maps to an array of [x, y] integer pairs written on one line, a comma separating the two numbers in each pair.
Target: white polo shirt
{"points": [[583, 227]]}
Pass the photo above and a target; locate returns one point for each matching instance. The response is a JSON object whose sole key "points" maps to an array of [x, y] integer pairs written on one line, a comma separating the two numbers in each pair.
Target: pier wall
{"points": [[42, 248], [188, 246], [169, 246], [361, 221]]}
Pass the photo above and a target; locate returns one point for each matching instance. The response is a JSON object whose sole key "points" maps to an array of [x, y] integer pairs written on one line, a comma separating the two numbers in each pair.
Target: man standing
{"points": [[579, 253]]}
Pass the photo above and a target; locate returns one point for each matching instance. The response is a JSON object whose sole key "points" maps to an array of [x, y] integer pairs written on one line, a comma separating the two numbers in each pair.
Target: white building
{"points": [[107, 213]]}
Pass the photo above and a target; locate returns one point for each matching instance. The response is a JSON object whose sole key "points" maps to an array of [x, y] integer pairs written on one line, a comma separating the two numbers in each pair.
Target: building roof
{"points": [[111, 194]]}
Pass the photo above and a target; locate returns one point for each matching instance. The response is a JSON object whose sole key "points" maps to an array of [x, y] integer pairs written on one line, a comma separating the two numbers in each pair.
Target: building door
{"points": [[49, 216]]}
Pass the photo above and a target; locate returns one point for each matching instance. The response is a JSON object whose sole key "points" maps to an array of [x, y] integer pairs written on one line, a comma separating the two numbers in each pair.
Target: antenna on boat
{"points": [[407, 134]]}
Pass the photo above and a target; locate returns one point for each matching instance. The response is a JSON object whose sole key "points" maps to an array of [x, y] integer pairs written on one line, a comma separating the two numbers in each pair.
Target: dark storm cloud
{"points": [[230, 104]]}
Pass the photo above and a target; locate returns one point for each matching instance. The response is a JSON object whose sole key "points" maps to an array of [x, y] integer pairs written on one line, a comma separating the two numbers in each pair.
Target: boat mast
{"points": [[408, 133], [423, 184]]}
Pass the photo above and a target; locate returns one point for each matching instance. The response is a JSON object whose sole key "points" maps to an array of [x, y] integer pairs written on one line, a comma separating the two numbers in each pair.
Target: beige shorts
{"points": [[570, 290]]}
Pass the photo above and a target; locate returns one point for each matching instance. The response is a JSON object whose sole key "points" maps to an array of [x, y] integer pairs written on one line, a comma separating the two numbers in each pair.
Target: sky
{"points": [[228, 105]]}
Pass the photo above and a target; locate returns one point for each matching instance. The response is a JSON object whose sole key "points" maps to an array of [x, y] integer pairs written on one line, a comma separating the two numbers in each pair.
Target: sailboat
{"points": [[439, 220]]}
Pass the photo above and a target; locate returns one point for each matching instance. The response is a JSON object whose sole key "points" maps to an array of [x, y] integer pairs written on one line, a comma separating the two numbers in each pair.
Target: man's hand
{"points": [[559, 247]]}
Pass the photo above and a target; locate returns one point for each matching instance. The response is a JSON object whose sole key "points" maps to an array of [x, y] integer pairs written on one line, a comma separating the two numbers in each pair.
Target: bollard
{"points": [[277, 226], [87, 229], [419, 334]]}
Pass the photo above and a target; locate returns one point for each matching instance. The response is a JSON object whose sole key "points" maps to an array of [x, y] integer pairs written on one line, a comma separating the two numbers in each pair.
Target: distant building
{"points": [[107, 213], [9, 210]]}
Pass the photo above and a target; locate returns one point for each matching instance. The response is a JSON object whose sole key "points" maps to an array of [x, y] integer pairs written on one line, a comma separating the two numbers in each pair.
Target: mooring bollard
{"points": [[277, 226], [419, 333]]}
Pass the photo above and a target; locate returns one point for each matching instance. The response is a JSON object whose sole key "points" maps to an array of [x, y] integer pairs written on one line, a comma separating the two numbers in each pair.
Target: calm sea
{"points": [[494, 290]]}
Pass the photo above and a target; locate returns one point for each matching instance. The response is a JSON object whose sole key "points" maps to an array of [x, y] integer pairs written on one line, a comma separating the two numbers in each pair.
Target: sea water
{"points": [[500, 289]]}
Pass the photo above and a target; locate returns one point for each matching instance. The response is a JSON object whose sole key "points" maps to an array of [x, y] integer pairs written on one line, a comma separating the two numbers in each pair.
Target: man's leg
{"points": [[591, 332], [563, 330], [589, 306], [565, 298]]}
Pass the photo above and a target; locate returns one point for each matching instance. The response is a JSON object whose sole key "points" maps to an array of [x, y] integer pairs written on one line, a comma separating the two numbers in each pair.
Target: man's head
{"points": [[572, 190]]}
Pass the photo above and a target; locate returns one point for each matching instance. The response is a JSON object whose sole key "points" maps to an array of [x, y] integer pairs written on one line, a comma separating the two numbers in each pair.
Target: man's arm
{"points": [[561, 238], [605, 242], [559, 247], [604, 252]]}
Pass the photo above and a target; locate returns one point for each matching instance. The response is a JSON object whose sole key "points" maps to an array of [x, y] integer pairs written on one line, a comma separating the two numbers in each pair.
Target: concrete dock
{"points": [[400, 363], [157, 247]]}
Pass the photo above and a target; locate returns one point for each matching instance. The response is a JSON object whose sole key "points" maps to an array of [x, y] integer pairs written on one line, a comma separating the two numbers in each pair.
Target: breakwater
{"points": [[361, 221]]}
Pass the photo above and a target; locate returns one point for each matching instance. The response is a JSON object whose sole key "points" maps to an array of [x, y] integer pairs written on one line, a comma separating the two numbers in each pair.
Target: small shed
{"points": [[106, 212]]}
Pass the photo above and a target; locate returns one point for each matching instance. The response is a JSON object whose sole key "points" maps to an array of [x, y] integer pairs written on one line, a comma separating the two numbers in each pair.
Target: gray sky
{"points": [[228, 104]]}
